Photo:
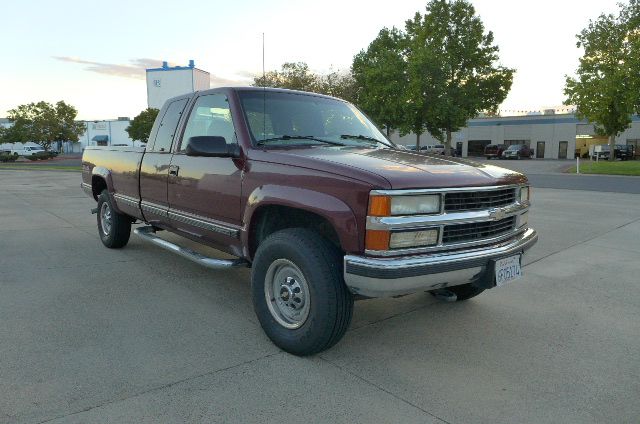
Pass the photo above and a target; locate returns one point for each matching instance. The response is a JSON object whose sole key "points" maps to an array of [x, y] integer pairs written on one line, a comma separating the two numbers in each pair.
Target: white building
{"points": [[167, 82], [551, 136], [107, 132]]}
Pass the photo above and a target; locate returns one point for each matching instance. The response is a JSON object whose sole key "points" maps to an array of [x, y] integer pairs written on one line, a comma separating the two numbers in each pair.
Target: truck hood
{"points": [[400, 168]]}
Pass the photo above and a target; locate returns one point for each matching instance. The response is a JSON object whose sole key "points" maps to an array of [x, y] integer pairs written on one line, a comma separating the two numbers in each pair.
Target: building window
{"points": [[562, 149], [635, 142], [476, 147]]}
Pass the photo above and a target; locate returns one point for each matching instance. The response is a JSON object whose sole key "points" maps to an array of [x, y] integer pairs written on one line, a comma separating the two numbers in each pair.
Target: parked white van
{"points": [[26, 150], [436, 149]]}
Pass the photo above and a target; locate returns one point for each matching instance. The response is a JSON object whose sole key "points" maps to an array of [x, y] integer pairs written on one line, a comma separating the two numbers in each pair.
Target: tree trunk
{"points": [[447, 145], [612, 147], [417, 141], [388, 131]]}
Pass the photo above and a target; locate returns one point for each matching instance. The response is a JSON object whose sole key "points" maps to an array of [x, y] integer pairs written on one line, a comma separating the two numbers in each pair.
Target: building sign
{"points": [[156, 83], [99, 126]]}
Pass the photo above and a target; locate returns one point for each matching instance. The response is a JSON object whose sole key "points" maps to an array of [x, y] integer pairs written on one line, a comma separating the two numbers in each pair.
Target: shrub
{"points": [[8, 157], [42, 156]]}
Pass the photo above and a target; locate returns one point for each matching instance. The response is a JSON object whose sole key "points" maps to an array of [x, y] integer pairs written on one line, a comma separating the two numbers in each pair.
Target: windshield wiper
{"points": [[364, 138], [297, 137]]}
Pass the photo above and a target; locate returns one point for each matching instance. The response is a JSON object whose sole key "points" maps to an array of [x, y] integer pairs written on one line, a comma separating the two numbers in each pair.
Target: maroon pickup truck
{"points": [[306, 191]]}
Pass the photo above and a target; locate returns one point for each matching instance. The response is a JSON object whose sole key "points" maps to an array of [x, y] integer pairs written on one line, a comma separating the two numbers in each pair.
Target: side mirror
{"points": [[211, 146]]}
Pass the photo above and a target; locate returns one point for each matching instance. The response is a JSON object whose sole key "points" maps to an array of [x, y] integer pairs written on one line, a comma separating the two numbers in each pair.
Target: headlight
{"points": [[524, 194], [407, 239], [411, 205], [404, 205]]}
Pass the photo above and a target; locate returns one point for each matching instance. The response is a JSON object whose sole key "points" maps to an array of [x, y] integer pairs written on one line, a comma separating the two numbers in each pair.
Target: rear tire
{"points": [[298, 291], [114, 228]]}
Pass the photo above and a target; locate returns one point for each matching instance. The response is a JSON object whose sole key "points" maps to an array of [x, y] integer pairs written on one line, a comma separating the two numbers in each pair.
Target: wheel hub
{"points": [[105, 218], [291, 294], [287, 294]]}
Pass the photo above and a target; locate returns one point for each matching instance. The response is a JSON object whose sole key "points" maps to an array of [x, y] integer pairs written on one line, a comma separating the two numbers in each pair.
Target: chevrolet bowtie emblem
{"points": [[497, 214]]}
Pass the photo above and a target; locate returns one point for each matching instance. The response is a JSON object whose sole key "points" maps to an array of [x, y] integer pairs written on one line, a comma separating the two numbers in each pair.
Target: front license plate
{"points": [[508, 270]]}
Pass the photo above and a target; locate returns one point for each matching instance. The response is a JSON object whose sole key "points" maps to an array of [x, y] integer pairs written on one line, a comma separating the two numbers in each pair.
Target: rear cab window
{"points": [[168, 125]]}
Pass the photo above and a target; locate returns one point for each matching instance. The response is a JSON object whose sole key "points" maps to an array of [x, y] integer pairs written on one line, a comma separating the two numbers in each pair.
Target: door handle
{"points": [[173, 170]]}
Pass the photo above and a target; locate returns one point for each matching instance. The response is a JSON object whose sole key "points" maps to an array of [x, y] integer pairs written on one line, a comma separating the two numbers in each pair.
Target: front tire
{"points": [[114, 228], [298, 291]]}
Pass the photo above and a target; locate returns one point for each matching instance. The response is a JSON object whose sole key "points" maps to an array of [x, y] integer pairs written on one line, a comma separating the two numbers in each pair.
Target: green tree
{"points": [[452, 69], [338, 84], [298, 76], [379, 74], [605, 89], [292, 75], [44, 123], [140, 127]]}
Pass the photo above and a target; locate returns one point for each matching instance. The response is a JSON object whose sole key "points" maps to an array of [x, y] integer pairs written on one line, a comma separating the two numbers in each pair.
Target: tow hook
{"points": [[94, 211], [444, 295]]}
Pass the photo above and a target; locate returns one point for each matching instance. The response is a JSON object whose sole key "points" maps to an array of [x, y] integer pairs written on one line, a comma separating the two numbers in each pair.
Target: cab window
{"points": [[210, 116], [168, 126]]}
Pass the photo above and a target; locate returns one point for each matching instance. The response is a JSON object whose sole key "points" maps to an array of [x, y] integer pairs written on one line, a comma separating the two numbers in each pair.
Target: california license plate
{"points": [[508, 270]]}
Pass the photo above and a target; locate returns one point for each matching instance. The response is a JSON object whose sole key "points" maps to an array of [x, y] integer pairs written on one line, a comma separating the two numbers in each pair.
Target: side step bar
{"points": [[148, 234]]}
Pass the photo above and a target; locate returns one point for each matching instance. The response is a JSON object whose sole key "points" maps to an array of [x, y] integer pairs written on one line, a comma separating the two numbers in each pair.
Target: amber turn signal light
{"points": [[377, 240], [380, 206]]}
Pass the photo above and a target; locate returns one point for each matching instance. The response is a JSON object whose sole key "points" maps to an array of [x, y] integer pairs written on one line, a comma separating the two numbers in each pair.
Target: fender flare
{"points": [[334, 210], [104, 174]]}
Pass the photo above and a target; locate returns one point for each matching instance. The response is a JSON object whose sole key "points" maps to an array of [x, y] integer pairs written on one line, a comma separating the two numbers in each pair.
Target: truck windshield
{"points": [[283, 119]]}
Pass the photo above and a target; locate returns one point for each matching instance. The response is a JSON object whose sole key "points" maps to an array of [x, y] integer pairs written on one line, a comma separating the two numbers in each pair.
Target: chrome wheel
{"points": [[105, 218], [287, 294]]}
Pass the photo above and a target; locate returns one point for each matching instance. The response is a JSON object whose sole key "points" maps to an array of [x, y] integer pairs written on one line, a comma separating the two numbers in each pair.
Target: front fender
{"points": [[334, 210]]}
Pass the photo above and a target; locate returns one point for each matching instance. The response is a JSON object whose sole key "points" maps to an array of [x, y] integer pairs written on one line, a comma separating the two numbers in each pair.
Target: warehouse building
{"points": [[550, 135]]}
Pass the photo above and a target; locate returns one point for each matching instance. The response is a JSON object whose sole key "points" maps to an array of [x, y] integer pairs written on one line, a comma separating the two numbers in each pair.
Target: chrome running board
{"points": [[148, 234]]}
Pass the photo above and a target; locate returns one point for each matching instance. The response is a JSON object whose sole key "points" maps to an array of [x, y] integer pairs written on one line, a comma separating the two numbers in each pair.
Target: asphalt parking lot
{"points": [[89, 334]]}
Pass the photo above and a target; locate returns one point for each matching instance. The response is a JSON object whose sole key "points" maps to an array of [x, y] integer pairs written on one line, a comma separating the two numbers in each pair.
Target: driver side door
{"points": [[204, 192]]}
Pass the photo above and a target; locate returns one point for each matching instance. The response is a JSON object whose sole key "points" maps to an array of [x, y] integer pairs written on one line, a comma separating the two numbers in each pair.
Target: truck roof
{"points": [[250, 88]]}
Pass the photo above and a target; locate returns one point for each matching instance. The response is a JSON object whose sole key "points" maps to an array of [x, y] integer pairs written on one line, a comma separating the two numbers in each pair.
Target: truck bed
{"points": [[123, 164]]}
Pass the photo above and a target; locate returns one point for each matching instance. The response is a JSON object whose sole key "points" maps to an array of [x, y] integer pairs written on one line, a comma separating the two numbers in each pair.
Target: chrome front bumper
{"points": [[383, 277]]}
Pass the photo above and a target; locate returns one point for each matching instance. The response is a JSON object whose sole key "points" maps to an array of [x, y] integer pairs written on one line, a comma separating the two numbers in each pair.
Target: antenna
{"points": [[264, 96]]}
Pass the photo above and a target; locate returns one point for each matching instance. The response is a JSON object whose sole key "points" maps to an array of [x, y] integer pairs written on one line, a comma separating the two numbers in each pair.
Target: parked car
{"points": [[603, 151], [324, 211], [494, 151], [436, 149], [624, 152], [517, 151], [27, 150]]}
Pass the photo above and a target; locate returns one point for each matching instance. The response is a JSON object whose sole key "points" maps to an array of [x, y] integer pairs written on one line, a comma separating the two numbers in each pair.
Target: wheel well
{"points": [[269, 219], [97, 185]]}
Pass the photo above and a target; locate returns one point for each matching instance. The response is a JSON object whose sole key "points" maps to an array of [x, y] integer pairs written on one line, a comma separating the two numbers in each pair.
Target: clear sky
{"points": [[93, 54]]}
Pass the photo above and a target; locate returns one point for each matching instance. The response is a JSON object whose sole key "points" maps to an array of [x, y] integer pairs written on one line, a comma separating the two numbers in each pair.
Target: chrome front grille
{"points": [[478, 200], [461, 233]]}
